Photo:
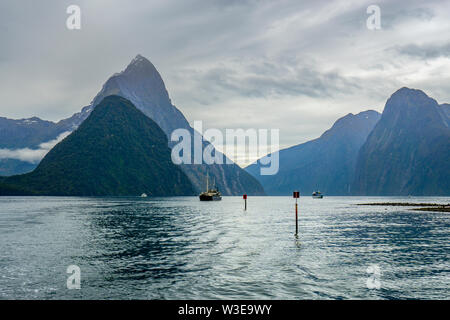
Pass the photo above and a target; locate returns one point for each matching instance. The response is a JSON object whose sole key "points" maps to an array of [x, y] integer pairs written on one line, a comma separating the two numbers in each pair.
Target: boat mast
{"points": [[207, 181]]}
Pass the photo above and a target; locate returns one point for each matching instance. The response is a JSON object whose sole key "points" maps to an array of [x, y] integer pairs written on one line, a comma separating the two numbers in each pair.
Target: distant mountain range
{"points": [[30, 134], [142, 85], [116, 151], [406, 151], [326, 163]]}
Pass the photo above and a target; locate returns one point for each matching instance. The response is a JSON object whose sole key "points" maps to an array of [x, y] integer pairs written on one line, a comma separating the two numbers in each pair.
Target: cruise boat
{"points": [[210, 194], [317, 195]]}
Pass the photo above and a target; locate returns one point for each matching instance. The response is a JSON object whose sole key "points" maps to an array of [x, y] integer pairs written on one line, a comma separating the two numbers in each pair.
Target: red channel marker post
{"points": [[245, 200], [296, 195]]}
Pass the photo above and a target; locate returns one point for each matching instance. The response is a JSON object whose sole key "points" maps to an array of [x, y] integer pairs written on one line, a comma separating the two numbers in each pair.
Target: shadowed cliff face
{"points": [[407, 152], [446, 109], [142, 84], [326, 163]]}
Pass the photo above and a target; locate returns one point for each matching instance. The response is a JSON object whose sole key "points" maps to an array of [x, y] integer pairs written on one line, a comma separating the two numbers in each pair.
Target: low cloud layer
{"points": [[32, 155]]}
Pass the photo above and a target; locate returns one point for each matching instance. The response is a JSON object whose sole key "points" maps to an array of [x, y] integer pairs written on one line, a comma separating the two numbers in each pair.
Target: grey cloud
{"points": [[264, 79], [394, 14], [430, 51]]}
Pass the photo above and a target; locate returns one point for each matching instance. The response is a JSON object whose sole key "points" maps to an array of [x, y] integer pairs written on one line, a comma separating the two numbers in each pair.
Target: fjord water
{"points": [[181, 248]]}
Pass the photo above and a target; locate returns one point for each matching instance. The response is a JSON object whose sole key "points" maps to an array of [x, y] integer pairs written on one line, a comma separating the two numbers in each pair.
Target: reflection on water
{"points": [[181, 248]]}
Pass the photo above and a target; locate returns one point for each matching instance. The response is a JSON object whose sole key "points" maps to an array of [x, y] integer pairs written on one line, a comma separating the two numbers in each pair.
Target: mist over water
{"points": [[181, 248]]}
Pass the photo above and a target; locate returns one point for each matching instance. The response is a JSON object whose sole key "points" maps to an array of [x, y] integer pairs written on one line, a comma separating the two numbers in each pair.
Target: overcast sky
{"points": [[294, 65]]}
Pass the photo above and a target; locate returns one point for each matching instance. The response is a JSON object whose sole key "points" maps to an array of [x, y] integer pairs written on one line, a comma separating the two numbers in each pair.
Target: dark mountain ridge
{"points": [[325, 163], [445, 108], [408, 151], [116, 151]]}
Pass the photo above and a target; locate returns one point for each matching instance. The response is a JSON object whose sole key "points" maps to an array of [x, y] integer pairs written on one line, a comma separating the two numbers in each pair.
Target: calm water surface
{"points": [[181, 248]]}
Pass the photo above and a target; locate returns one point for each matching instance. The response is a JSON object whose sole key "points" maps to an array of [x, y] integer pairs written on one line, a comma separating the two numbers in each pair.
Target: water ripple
{"points": [[180, 248]]}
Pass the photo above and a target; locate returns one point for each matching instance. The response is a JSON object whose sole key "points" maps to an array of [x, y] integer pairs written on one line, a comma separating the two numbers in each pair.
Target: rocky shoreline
{"points": [[435, 207]]}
